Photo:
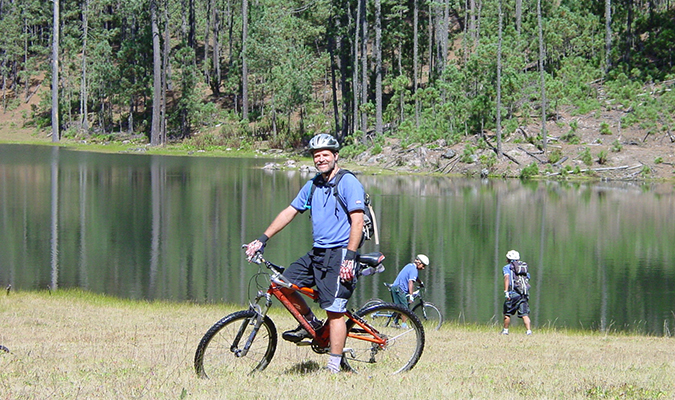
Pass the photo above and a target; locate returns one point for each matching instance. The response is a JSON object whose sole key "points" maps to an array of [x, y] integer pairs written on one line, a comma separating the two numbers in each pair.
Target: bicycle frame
{"points": [[321, 336]]}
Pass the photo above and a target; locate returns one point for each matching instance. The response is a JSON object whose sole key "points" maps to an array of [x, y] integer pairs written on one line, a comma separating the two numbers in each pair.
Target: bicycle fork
{"points": [[256, 321]]}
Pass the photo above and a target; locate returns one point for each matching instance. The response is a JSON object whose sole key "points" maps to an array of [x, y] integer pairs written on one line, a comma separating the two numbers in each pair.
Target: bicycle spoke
{"points": [[230, 347], [403, 347]]}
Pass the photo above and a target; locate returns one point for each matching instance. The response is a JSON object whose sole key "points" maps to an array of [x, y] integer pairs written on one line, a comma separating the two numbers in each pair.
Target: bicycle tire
{"points": [[429, 315], [404, 346], [216, 354], [371, 302]]}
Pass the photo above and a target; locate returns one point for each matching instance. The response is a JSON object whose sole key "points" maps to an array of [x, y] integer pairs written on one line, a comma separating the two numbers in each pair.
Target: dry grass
{"points": [[76, 345]]}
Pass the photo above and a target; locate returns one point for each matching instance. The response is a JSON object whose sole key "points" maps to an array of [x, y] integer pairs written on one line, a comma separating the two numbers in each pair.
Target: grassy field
{"points": [[76, 345]]}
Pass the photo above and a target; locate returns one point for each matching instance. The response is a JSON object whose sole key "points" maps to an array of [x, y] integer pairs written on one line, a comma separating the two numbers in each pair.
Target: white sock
{"points": [[334, 361]]}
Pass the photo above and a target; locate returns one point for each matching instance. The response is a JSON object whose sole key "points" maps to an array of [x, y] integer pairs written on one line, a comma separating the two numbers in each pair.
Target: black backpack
{"points": [[521, 280], [369, 224]]}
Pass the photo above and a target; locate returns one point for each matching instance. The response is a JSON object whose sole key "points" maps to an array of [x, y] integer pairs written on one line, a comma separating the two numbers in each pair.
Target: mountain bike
{"points": [[428, 313], [245, 341]]}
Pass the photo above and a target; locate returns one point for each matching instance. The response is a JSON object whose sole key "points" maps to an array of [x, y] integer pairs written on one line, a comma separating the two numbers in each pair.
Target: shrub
{"points": [[658, 160], [489, 160], [467, 154], [602, 157], [554, 156], [604, 128], [646, 171], [616, 146], [529, 171], [586, 157], [571, 137]]}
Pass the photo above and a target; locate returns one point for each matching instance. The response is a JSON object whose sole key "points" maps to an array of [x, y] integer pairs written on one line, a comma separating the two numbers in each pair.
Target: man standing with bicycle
{"points": [[403, 287], [337, 233]]}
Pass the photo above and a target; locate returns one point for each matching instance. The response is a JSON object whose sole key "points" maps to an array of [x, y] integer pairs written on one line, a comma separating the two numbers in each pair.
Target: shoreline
{"points": [[431, 159]]}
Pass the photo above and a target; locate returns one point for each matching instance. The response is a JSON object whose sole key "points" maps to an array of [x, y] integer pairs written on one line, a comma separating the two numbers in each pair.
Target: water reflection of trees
{"points": [[163, 227]]}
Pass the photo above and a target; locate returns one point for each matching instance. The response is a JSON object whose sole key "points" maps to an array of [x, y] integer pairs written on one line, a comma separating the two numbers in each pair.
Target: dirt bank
{"points": [[592, 146]]}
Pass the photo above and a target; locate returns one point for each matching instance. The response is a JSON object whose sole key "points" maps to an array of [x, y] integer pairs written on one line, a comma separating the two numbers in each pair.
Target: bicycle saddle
{"points": [[371, 259]]}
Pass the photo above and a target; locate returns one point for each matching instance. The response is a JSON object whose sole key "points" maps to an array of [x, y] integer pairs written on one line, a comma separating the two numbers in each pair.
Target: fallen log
{"points": [[531, 155]]}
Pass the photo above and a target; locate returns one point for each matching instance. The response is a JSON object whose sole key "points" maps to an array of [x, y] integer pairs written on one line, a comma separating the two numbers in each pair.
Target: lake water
{"points": [[170, 227]]}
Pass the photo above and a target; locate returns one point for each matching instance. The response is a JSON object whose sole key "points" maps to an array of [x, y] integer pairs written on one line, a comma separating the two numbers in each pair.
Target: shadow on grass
{"points": [[305, 367]]}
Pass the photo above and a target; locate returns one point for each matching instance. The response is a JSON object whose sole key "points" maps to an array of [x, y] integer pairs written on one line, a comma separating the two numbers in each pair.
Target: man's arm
{"points": [[507, 281], [348, 263], [356, 231], [281, 220]]}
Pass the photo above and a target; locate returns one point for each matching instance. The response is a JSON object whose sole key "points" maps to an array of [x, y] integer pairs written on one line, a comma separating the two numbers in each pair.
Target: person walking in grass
{"points": [[516, 291]]}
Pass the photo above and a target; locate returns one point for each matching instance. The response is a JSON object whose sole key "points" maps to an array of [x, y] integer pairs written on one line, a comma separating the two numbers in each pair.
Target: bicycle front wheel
{"points": [[373, 301], [429, 315], [232, 346], [403, 346]]}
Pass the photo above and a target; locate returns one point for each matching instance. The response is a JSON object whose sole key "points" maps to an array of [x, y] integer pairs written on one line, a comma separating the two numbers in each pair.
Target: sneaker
{"points": [[505, 331], [529, 332], [330, 370], [296, 335]]}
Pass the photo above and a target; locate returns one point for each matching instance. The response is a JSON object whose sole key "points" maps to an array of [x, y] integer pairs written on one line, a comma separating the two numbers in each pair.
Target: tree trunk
{"points": [[244, 64], [192, 22], [55, 74], [416, 13], [364, 64], [431, 43], [542, 76], [519, 15], [207, 35], [499, 83], [215, 86], [84, 89], [608, 33], [25, 57], [355, 75], [166, 71], [465, 39], [378, 68], [155, 130], [333, 85]]}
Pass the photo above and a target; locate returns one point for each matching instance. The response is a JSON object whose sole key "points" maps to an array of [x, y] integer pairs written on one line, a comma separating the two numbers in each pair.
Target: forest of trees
{"points": [[421, 70]]}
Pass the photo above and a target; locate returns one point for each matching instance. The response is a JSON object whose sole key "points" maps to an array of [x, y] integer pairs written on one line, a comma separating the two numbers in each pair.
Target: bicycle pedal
{"points": [[304, 343]]}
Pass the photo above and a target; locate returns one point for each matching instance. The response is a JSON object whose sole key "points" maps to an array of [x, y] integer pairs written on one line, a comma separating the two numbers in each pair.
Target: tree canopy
{"points": [[413, 69]]}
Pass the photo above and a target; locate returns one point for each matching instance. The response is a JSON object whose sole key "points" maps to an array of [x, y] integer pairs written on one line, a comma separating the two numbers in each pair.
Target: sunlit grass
{"points": [[75, 344]]}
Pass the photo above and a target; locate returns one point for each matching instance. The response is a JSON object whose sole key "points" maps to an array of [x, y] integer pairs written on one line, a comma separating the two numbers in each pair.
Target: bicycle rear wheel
{"points": [[220, 351], [429, 315], [403, 346]]}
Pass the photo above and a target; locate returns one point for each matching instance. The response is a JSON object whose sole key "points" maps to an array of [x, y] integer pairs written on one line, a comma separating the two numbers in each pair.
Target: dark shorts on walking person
{"points": [[517, 304]]}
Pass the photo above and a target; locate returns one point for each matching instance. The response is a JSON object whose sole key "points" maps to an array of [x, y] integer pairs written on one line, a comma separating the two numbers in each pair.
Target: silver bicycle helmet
{"points": [[323, 141], [424, 259]]}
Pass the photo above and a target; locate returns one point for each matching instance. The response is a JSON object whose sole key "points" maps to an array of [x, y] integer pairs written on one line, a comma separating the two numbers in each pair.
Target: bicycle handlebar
{"points": [[367, 264]]}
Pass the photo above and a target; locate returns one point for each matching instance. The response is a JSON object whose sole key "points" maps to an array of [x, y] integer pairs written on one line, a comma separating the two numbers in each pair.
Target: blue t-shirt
{"points": [[330, 224], [408, 273]]}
